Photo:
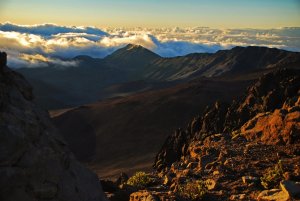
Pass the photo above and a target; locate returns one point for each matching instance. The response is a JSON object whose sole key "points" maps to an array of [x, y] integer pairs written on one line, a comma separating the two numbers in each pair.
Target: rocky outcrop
{"points": [[244, 148], [143, 196], [279, 127], [35, 162], [172, 150], [270, 92], [267, 94], [198, 129]]}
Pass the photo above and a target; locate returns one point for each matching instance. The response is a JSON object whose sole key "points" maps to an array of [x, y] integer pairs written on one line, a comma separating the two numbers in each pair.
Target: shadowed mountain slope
{"points": [[124, 134], [89, 80], [128, 131]]}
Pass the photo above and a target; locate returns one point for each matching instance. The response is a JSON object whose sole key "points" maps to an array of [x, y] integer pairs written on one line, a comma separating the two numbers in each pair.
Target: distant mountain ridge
{"points": [[236, 60], [130, 129], [89, 80]]}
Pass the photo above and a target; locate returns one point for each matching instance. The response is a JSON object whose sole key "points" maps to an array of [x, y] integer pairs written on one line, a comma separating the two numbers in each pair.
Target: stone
{"points": [[192, 165], [143, 196], [186, 172], [152, 198], [273, 195], [195, 152], [174, 187], [216, 172], [249, 179], [238, 197], [210, 184], [167, 179], [290, 187], [212, 165]]}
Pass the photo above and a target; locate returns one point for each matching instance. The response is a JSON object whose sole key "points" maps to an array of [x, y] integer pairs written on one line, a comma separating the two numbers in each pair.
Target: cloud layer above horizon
{"points": [[39, 45]]}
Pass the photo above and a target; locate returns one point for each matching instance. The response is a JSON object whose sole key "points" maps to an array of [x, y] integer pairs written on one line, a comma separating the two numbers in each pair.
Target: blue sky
{"points": [[154, 13]]}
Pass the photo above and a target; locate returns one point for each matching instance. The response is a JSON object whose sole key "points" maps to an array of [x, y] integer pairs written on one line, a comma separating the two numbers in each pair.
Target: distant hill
{"points": [[237, 60], [90, 80]]}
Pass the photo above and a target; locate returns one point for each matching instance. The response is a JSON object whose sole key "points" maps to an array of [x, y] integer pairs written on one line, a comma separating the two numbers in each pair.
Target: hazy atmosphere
{"points": [[39, 31], [149, 100]]}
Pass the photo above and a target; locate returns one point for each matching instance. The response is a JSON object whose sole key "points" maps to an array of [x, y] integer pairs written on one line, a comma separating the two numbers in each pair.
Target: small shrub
{"points": [[140, 180], [193, 190], [273, 176]]}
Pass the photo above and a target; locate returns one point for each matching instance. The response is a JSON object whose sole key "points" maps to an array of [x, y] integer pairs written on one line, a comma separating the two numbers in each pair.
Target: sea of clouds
{"points": [[39, 45]]}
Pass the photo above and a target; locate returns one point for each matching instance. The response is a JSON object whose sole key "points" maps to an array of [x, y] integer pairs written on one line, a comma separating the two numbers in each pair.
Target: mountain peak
{"points": [[133, 52], [133, 46]]}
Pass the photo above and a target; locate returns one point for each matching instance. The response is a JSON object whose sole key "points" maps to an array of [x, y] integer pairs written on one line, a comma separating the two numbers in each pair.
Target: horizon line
{"points": [[145, 27]]}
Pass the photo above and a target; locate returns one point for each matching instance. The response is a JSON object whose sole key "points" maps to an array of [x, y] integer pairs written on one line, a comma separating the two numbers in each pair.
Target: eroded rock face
{"points": [[35, 162], [279, 127], [277, 90], [269, 93]]}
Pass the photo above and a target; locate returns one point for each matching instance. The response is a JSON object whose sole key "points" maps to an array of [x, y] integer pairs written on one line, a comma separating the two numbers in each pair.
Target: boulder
{"points": [[35, 162], [143, 196], [167, 179], [249, 179], [238, 197], [273, 195], [210, 184]]}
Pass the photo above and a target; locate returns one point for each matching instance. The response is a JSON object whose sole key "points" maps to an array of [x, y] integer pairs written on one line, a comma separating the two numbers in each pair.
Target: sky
{"points": [[154, 13], [35, 33]]}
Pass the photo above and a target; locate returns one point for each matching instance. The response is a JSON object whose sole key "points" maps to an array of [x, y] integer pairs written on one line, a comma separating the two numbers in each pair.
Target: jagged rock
{"points": [[216, 172], [143, 196], [280, 126], [152, 198], [273, 195], [35, 162], [232, 152], [195, 152], [291, 188], [186, 172], [267, 94], [171, 150], [249, 179], [212, 121], [174, 187], [167, 179], [238, 197], [210, 184], [270, 92], [192, 165]]}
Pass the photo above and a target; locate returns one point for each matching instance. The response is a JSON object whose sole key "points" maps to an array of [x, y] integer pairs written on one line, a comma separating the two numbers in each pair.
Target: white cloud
{"points": [[47, 30], [52, 41]]}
